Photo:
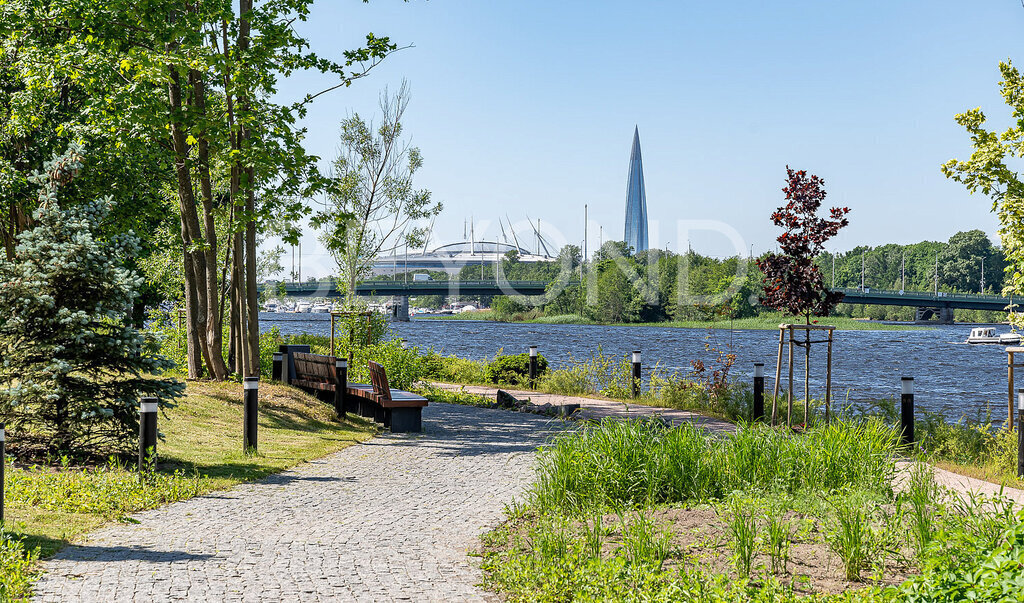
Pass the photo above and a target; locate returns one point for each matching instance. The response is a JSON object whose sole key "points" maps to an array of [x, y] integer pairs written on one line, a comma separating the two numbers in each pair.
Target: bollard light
{"points": [[907, 409], [340, 384], [278, 363], [757, 412], [636, 374], [533, 366], [1020, 432], [147, 433], [251, 387]]}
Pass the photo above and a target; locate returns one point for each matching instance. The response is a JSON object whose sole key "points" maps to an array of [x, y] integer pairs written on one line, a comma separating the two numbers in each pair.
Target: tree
{"points": [[371, 202], [986, 171], [74, 365], [192, 82], [793, 282]]}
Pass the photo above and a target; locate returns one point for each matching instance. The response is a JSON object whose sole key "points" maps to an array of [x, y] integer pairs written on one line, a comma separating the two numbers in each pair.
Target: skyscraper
{"points": [[636, 200]]}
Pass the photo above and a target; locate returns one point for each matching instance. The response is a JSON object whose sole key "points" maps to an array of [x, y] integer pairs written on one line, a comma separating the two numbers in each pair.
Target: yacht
{"points": [[988, 335], [302, 307], [320, 308]]}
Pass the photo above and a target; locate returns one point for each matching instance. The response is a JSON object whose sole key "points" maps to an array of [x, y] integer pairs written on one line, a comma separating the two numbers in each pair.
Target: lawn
{"points": [[200, 451]]}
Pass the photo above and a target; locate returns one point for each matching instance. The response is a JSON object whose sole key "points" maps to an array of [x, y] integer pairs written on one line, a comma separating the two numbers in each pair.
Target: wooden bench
{"points": [[399, 410], [396, 409]]}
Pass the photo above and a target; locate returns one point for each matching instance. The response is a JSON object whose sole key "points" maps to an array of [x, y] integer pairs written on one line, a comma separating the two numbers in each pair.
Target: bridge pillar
{"points": [[946, 316], [400, 308]]}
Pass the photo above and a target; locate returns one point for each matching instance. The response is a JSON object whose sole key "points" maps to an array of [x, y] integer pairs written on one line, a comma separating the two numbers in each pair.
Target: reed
{"points": [[642, 462]]}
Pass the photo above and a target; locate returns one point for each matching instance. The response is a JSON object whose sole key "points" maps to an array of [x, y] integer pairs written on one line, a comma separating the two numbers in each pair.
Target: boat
{"points": [[988, 335], [320, 308], [302, 308]]}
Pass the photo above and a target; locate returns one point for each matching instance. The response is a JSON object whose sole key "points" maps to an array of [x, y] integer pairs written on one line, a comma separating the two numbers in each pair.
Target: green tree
{"points": [[988, 171], [74, 365], [372, 205]]}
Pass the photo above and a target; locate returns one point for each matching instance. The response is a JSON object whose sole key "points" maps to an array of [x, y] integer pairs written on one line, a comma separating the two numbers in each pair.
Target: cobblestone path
{"points": [[389, 519]]}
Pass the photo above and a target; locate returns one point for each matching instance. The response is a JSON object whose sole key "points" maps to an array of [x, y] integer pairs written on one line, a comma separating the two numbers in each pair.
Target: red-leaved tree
{"points": [[793, 282]]}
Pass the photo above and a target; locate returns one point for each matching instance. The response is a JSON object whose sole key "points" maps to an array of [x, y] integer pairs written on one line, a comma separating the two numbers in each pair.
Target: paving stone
{"points": [[389, 519]]}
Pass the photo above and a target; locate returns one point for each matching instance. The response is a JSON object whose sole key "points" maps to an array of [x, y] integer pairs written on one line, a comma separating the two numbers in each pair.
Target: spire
{"points": [[636, 199]]}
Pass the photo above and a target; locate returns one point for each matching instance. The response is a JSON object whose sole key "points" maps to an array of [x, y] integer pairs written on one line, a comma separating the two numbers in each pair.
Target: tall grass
{"points": [[642, 462]]}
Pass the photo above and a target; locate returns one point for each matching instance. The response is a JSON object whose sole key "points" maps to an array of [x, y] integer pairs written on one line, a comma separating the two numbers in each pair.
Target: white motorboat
{"points": [[302, 307], [988, 335], [320, 308]]}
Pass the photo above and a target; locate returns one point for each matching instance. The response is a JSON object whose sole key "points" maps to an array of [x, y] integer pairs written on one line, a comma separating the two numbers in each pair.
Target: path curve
{"points": [[389, 519]]}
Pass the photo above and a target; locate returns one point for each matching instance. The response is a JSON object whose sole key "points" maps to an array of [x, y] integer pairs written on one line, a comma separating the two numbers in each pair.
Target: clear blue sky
{"points": [[528, 108]]}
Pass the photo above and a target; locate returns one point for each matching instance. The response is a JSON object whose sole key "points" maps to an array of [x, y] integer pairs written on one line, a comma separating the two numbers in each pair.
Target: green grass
{"points": [[643, 463], [48, 507], [833, 483]]}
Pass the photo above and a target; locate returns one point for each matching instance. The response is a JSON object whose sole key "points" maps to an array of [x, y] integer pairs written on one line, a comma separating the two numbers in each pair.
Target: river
{"points": [[950, 376]]}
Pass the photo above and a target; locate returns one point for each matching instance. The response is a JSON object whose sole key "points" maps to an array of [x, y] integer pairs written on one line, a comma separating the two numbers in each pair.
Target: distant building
{"points": [[636, 199]]}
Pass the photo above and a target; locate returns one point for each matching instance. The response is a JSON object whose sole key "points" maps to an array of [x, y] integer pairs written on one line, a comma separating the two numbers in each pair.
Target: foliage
{"points": [[453, 369], [793, 281], [988, 171], [17, 567], [372, 204], [514, 369], [994, 573], [74, 365], [112, 491]]}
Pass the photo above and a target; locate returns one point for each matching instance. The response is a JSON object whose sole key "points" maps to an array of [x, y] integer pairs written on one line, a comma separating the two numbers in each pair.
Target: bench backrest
{"points": [[314, 367], [379, 380]]}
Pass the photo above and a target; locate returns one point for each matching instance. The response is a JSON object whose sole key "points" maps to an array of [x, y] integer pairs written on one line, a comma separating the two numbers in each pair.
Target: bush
{"points": [[452, 369], [513, 369]]}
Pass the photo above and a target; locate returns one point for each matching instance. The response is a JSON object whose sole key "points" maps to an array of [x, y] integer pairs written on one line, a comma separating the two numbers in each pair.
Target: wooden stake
{"points": [[807, 378], [828, 381], [778, 377], [789, 393], [1009, 378], [332, 333]]}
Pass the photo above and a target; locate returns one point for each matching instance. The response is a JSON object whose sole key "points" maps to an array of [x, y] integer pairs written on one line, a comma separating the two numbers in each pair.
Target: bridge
{"points": [[928, 303], [415, 288]]}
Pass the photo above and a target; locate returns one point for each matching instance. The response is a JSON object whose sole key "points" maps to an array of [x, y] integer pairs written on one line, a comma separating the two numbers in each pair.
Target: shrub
{"points": [[513, 369], [452, 369]]}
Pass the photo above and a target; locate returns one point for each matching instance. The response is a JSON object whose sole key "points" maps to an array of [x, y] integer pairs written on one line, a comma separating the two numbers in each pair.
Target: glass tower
{"points": [[636, 200]]}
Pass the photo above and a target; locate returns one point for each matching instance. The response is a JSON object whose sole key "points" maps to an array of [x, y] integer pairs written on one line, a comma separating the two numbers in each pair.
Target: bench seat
{"points": [[397, 409]]}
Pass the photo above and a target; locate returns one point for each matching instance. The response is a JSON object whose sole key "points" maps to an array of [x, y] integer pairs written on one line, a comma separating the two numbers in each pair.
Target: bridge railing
{"points": [[942, 295]]}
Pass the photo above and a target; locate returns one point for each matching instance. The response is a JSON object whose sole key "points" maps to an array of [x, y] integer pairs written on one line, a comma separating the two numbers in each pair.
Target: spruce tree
{"points": [[72, 366]]}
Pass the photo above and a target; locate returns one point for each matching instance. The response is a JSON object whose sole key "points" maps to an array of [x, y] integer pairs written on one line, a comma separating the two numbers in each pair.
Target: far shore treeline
{"points": [[951, 266]]}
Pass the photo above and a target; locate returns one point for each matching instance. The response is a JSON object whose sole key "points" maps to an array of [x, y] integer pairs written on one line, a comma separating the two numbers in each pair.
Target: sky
{"points": [[526, 109]]}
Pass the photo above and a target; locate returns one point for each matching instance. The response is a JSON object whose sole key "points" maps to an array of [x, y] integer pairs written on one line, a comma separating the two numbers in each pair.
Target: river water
{"points": [[950, 376]]}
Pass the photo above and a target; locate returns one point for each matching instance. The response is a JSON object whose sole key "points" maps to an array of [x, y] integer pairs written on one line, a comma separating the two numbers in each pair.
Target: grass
{"points": [[822, 499], [641, 463], [763, 322], [48, 507]]}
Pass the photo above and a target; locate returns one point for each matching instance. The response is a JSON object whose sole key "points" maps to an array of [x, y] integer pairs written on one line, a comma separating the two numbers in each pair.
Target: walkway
{"points": [[389, 519], [595, 408]]}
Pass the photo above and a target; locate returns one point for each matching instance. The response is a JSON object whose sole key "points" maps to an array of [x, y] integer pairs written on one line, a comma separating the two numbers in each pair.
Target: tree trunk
{"points": [[195, 261], [213, 332], [252, 292]]}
